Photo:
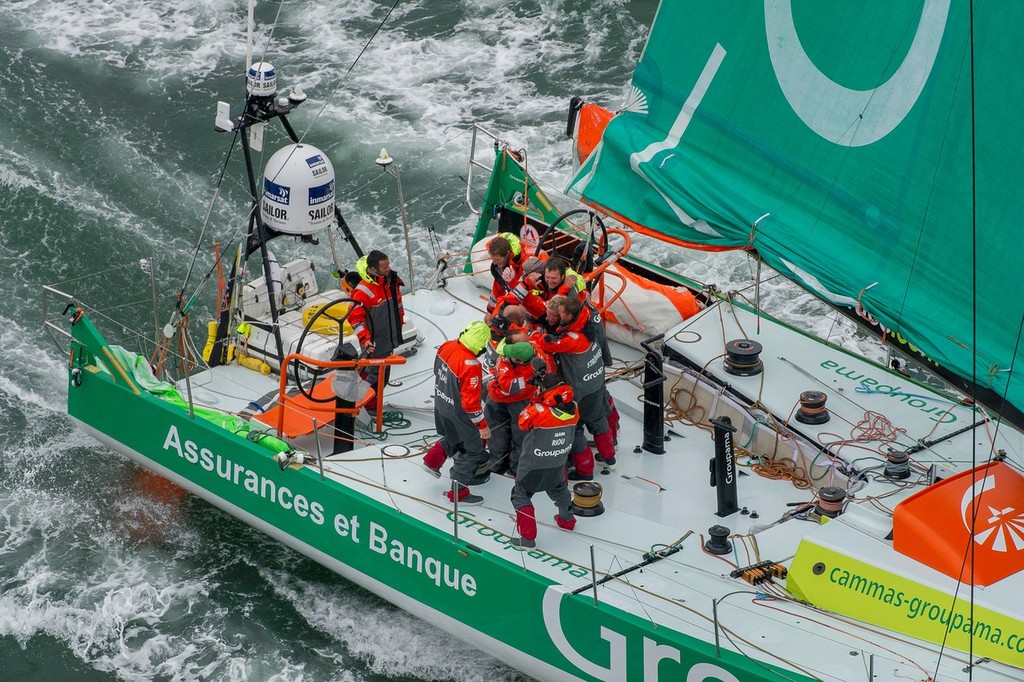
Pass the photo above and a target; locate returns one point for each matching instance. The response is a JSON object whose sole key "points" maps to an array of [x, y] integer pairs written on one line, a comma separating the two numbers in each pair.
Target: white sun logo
{"points": [[1005, 526]]}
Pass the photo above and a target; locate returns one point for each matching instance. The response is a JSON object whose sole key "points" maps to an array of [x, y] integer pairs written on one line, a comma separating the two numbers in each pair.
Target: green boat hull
{"points": [[520, 617]]}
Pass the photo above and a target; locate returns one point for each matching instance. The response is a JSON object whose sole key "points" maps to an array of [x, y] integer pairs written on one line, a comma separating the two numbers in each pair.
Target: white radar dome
{"points": [[261, 80], [298, 190]]}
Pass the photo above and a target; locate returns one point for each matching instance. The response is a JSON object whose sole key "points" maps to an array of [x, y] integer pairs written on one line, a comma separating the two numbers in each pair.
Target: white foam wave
{"points": [[164, 39], [397, 645]]}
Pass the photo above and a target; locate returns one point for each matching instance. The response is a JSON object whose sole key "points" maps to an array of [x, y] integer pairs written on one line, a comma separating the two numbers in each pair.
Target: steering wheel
{"points": [[549, 233], [324, 311]]}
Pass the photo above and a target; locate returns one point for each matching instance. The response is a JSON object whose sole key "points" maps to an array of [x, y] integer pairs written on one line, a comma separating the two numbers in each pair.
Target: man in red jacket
{"points": [[578, 354], [561, 280], [549, 424], [381, 297], [512, 387], [458, 412], [506, 268]]}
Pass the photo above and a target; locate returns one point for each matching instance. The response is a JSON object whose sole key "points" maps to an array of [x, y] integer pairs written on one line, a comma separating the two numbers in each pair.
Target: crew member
{"points": [[506, 267], [516, 374], [578, 355], [549, 424], [458, 413], [561, 280], [506, 317], [381, 310]]}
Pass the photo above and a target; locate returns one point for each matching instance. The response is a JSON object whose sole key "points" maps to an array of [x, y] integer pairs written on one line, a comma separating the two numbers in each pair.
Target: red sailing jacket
{"points": [[577, 353], [534, 304], [516, 287], [457, 382], [512, 381], [549, 435], [383, 304]]}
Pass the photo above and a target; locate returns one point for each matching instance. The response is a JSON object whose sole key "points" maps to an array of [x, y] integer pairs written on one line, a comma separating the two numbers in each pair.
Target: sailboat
{"points": [[782, 508]]}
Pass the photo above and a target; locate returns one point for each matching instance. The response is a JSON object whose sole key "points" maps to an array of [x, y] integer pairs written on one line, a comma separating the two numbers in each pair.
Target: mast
{"points": [[261, 106], [250, 26]]}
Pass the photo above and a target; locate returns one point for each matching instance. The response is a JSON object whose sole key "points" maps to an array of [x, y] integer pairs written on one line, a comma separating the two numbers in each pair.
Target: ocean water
{"points": [[108, 156]]}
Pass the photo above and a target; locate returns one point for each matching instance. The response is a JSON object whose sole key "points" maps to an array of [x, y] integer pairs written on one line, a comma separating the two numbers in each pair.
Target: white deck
{"points": [[654, 500]]}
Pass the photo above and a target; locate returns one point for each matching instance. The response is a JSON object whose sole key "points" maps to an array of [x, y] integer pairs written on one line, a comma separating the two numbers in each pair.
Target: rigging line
{"points": [[273, 27], [854, 624], [975, 503], [269, 38], [951, 124], [349, 71], [411, 162], [125, 266], [409, 200], [206, 224], [1009, 375], [969, 555]]}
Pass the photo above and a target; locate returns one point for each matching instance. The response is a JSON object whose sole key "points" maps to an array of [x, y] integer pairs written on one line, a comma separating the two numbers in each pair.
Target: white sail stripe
{"points": [[813, 284], [675, 133], [585, 173], [682, 121], [850, 118]]}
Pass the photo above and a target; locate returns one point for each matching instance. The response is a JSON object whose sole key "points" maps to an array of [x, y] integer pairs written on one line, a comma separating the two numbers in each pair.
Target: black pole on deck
{"points": [[654, 397], [723, 467], [344, 426]]}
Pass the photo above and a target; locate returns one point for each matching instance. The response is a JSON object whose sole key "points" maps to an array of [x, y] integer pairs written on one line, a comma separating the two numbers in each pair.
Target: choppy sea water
{"points": [[107, 156]]}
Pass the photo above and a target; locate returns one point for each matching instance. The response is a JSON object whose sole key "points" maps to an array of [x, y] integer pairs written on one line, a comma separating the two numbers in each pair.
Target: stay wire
{"points": [[975, 503], [206, 224], [342, 80], [221, 176]]}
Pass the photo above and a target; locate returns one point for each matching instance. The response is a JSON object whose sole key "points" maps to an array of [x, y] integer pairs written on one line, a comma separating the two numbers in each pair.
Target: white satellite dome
{"points": [[298, 190], [261, 79]]}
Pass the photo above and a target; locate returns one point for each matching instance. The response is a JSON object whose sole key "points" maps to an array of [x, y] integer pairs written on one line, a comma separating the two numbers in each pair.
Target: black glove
{"points": [[345, 351], [540, 368]]}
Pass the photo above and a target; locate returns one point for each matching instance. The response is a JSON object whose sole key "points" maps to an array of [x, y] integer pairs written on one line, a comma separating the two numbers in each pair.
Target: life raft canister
{"points": [[324, 324]]}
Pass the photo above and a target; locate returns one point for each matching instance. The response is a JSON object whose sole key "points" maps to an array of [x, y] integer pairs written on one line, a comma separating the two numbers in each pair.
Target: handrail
{"points": [[283, 396], [473, 162], [610, 257], [601, 306]]}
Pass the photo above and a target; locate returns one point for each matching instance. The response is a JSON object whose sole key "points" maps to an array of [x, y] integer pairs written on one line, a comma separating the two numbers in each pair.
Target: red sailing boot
{"points": [[583, 461], [613, 419], [435, 459], [466, 498], [565, 525], [605, 449], [526, 524]]}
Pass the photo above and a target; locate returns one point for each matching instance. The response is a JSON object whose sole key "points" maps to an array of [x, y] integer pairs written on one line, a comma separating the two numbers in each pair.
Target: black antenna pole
{"points": [[258, 231]]}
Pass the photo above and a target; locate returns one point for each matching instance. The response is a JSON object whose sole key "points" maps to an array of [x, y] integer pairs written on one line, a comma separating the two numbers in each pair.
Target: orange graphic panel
{"points": [[982, 508]]}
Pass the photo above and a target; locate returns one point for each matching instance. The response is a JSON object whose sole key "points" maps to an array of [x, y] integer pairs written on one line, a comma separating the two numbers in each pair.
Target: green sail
{"points": [[868, 150]]}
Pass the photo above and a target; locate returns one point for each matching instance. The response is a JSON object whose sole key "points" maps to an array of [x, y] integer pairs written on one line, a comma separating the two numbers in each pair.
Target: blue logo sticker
{"points": [[315, 161], [321, 193], [279, 194], [255, 74]]}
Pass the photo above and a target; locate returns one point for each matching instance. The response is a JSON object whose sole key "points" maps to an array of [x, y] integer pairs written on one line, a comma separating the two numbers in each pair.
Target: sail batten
{"points": [[836, 140]]}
